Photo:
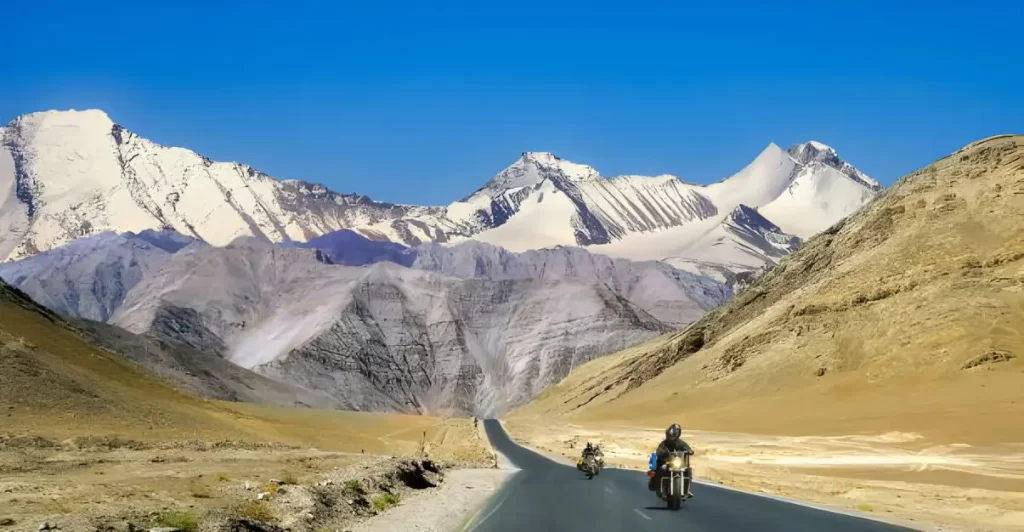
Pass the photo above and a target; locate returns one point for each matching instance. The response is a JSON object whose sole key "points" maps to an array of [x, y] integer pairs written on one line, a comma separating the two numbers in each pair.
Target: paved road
{"points": [[548, 496]]}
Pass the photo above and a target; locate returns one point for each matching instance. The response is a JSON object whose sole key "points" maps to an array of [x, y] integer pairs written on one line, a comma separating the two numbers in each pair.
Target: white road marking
{"points": [[641, 514], [609, 490], [490, 513]]}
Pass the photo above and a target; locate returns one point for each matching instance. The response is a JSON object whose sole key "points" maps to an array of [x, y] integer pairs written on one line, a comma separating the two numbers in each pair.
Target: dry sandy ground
{"points": [[94, 483], [897, 477]]}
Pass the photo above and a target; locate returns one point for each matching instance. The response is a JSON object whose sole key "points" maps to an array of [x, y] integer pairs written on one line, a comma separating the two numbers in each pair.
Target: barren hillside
{"points": [[56, 383], [907, 316]]}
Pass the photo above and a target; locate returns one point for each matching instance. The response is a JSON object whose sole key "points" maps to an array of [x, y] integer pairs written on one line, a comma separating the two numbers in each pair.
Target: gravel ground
{"points": [[441, 509]]}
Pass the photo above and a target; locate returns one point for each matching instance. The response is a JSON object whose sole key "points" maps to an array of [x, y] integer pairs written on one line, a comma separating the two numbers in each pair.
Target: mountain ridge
{"points": [[464, 326], [67, 174]]}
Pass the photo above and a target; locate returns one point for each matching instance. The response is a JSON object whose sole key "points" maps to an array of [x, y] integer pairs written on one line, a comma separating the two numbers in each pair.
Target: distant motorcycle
{"points": [[588, 464], [676, 477]]}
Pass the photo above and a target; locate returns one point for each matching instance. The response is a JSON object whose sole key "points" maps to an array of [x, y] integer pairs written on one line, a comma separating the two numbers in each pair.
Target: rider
{"points": [[672, 442], [589, 450]]}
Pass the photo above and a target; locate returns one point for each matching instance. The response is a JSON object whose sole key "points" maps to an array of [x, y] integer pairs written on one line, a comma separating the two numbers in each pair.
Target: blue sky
{"points": [[422, 103]]}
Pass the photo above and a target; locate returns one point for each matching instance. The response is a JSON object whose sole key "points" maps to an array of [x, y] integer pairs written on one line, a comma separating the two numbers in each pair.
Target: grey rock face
{"points": [[758, 236], [90, 277], [384, 337], [409, 341], [199, 373], [670, 295], [470, 327]]}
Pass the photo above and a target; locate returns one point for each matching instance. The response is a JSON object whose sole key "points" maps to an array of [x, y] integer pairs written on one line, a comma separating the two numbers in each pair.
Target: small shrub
{"points": [[384, 501], [199, 490], [355, 486], [258, 511], [223, 477], [865, 508], [183, 521], [289, 477], [61, 507]]}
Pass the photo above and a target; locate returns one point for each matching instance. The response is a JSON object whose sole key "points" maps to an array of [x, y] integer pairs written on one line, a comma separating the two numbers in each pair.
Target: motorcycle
{"points": [[675, 479], [588, 464]]}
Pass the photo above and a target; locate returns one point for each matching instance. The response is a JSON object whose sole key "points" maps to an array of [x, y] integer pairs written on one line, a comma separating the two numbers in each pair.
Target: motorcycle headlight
{"points": [[676, 463]]}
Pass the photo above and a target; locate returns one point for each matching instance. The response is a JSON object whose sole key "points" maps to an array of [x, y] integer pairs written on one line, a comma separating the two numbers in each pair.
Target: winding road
{"points": [[548, 496]]}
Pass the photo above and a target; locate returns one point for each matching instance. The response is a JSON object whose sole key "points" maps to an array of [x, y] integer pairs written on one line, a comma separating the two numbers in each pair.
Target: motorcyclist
{"points": [[672, 442]]}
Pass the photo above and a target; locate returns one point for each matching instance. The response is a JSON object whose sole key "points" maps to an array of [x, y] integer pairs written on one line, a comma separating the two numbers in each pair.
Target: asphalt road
{"points": [[545, 495]]}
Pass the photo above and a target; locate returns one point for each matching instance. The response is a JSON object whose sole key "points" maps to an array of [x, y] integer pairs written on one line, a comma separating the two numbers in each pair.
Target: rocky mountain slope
{"points": [[667, 293], [198, 373], [483, 326], [387, 337], [65, 175], [90, 277], [904, 317]]}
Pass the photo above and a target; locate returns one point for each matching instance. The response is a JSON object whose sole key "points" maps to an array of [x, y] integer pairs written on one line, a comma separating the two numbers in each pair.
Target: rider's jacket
{"points": [[667, 446]]}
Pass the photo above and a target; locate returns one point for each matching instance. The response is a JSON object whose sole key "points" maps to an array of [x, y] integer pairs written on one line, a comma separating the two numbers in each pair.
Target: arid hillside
{"points": [[95, 440], [907, 316], [56, 383]]}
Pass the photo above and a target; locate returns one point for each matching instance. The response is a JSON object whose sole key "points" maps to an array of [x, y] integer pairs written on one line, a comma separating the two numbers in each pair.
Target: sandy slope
{"points": [[55, 383], [88, 438], [904, 318]]}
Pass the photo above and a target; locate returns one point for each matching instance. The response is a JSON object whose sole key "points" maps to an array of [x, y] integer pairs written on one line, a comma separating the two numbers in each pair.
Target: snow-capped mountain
{"points": [[65, 175]]}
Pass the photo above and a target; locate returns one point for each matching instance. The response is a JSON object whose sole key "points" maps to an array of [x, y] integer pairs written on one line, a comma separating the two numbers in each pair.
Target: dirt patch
{"points": [[213, 486]]}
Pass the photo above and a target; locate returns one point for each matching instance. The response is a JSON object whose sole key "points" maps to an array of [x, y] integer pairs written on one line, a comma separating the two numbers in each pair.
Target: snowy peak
{"points": [[748, 217], [534, 167], [88, 120], [816, 152], [557, 168]]}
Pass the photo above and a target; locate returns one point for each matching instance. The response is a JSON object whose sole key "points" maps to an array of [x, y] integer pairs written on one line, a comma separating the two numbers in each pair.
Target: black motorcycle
{"points": [[676, 477]]}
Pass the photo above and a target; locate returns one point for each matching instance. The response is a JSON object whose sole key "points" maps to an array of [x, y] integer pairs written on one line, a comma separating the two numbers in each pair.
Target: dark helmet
{"points": [[673, 432]]}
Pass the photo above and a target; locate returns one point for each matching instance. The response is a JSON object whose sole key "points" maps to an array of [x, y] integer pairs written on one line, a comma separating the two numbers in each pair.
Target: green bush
{"points": [[384, 501], [183, 521], [258, 511]]}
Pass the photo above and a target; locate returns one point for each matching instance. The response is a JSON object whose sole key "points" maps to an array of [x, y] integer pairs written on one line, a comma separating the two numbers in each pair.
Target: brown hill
{"points": [[55, 382], [908, 315]]}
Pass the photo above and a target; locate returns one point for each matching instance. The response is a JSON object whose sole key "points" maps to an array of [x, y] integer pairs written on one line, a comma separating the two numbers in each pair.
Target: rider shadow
{"points": [[661, 508]]}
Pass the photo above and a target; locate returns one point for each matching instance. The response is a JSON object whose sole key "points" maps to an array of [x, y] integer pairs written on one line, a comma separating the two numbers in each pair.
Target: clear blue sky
{"points": [[412, 102]]}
